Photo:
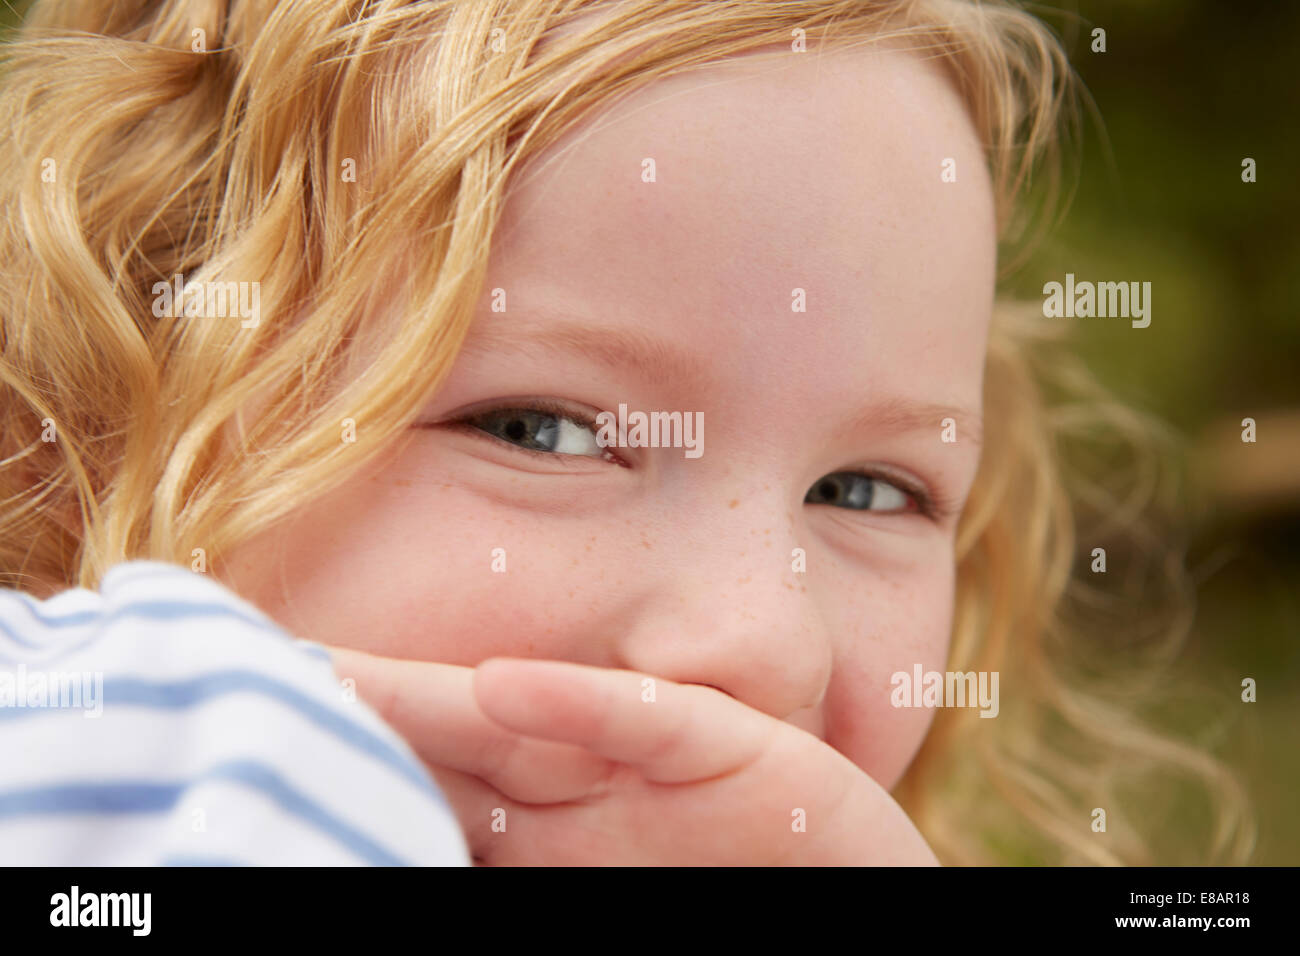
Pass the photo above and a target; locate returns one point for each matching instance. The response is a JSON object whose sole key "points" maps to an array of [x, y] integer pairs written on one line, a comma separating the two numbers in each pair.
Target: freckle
{"points": [[734, 502], [803, 588], [767, 531], [402, 483], [647, 544], [745, 580], [789, 585]]}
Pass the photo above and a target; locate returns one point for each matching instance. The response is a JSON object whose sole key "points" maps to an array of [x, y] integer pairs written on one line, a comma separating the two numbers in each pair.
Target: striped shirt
{"points": [[165, 721]]}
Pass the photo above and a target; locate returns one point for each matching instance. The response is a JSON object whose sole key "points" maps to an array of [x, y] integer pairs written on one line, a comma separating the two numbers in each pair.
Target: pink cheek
{"points": [[880, 738], [499, 586], [901, 732]]}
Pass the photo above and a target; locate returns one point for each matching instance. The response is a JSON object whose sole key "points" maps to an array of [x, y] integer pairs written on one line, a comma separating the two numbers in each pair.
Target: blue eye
{"points": [[859, 492], [536, 429]]}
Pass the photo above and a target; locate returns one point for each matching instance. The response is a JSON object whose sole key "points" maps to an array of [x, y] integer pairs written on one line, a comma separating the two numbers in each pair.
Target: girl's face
{"points": [[770, 244]]}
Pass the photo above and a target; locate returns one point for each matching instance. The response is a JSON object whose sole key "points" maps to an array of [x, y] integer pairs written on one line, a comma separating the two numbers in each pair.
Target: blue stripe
{"points": [[90, 798], [153, 611], [34, 606], [150, 610], [315, 650], [78, 619], [139, 797], [181, 610], [183, 695]]}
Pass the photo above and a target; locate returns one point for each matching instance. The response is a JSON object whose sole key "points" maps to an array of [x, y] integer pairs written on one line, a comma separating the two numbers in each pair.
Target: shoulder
{"points": [[166, 706]]}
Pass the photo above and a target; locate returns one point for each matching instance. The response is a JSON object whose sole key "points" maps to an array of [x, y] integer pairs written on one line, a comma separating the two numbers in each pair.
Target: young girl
{"points": [[497, 266]]}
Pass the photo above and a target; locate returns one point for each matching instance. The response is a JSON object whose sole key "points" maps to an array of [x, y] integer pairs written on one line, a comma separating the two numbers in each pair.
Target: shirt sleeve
{"points": [[165, 721]]}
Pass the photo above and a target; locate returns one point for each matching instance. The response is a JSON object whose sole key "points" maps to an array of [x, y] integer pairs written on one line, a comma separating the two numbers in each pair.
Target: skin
{"points": [[819, 172]]}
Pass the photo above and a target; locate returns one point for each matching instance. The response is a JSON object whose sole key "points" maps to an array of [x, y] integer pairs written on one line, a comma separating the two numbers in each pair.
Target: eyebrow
{"points": [[661, 363], [616, 349], [904, 415]]}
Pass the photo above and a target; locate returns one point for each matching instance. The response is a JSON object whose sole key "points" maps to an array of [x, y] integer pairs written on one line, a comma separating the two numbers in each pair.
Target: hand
{"points": [[581, 769]]}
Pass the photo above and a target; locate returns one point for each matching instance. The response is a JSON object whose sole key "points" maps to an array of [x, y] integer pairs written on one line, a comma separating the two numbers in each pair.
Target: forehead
{"points": [[699, 204]]}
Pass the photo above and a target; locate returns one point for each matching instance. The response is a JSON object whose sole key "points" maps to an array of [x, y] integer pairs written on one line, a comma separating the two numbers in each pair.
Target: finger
{"points": [[670, 732], [432, 705], [486, 816]]}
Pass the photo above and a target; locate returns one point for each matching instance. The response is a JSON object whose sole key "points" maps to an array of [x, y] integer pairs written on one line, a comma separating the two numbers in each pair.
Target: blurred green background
{"points": [[1184, 92]]}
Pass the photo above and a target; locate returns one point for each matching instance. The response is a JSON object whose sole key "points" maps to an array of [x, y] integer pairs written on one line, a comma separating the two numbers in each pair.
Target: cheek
{"points": [[392, 566], [894, 630]]}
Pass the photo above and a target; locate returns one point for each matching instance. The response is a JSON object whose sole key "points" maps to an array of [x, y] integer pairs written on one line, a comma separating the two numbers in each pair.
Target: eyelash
{"points": [[545, 407], [931, 505]]}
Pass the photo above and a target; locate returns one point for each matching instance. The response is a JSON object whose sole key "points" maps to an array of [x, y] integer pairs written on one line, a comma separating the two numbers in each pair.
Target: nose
{"points": [[730, 611]]}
